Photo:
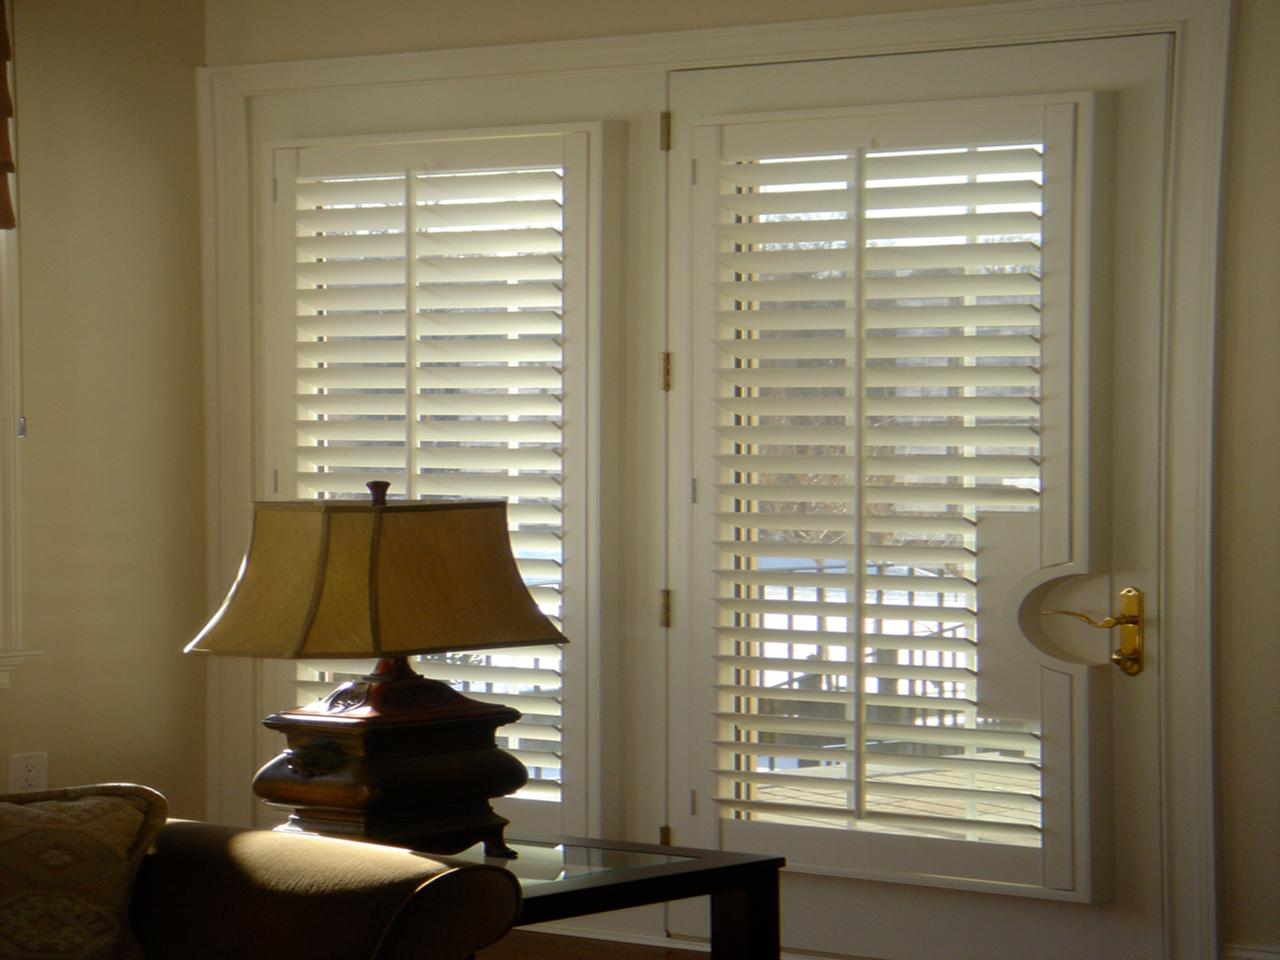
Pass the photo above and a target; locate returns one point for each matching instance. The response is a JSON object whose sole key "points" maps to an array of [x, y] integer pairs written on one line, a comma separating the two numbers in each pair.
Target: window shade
{"points": [[875, 316], [431, 318]]}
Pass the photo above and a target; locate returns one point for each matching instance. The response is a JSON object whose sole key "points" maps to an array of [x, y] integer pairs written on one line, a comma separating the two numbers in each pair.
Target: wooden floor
{"points": [[523, 945]]}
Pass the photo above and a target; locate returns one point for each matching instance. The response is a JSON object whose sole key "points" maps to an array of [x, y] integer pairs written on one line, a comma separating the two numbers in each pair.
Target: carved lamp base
{"points": [[395, 758]]}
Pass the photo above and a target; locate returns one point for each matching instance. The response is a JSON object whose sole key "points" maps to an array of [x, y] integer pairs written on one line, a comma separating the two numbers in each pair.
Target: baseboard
{"points": [[1236, 952], [563, 928]]}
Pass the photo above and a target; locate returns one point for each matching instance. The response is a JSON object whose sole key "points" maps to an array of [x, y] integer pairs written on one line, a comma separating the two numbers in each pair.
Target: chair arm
{"points": [[211, 891]]}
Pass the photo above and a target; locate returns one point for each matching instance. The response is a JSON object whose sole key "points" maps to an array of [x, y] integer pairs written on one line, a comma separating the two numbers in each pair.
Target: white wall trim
{"points": [[12, 652], [567, 928], [1237, 952], [1188, 800], [979, 25], [1201, 28]]}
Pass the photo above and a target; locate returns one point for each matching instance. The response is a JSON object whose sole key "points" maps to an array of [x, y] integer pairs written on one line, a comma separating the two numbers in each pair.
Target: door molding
{"points": [[1200, 29]]}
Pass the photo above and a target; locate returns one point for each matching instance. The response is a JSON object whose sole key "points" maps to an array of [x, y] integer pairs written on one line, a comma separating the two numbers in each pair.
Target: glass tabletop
{"points": [[546, 862]]}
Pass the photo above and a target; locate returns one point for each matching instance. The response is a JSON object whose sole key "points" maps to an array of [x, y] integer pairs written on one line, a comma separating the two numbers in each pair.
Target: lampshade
{"points": [[356, 579]]}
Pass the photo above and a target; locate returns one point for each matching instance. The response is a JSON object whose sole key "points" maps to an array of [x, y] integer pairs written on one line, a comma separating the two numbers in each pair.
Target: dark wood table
{"points": [[572, 877]]}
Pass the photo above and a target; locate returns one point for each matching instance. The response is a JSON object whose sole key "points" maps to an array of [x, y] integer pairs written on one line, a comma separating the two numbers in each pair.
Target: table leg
{"points": [[744, 921]]}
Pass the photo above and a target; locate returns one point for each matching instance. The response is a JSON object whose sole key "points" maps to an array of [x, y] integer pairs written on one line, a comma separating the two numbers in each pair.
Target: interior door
{"points": [[923, 661]]}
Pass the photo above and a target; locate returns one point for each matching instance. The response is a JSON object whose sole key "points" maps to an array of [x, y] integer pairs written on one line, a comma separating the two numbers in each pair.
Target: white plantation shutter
{"points": [[870, 323], [437, 296]]}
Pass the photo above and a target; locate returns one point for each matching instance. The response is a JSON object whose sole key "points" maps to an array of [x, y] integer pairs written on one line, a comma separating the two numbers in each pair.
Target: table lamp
{"points": [[393, 757]]}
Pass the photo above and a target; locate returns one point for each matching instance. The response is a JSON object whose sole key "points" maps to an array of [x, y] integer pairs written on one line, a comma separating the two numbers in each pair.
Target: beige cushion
{"points": [[67, 862], [213, 892]]}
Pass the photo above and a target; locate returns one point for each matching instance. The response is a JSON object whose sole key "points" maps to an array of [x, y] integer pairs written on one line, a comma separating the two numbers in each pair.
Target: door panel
{"points": [[1086, 526]]}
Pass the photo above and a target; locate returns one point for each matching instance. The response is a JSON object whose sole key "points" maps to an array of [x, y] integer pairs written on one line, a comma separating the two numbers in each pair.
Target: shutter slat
{"points": [[491, 350], [491, 376], [510, 215], [488, 405], [545, 680], [943, 255], [883, 288], [969, 163], [485, 485], [522, 185], [844, 319], [838, 582], [831, 639], [465, 296], [456, 243], [472, 269], [958, 436], [923, 494], [902, 376], [488, 431], [494, 458], [949, 407], [833, 668], [1000, 225], [805, 695]]}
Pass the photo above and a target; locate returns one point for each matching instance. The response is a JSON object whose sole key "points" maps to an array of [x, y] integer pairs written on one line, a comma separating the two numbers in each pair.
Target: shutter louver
{"points": [[430, 326], [876, 331]]}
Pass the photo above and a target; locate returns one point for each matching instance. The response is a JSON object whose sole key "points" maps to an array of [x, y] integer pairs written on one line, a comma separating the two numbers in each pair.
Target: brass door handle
{"points": [[1128, 657]]}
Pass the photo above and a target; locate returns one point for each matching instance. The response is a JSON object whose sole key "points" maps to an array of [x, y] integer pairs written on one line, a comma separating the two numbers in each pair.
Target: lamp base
{"points": [[395, 758]]}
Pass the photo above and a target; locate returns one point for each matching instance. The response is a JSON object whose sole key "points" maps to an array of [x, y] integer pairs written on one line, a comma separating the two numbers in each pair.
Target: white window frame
{"points": [[1063, 867], [12, 428], [12, 652], [1200, 29], [579, 615]]}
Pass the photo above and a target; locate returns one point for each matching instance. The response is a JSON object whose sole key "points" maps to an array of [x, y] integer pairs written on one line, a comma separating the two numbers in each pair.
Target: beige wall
{"points": [[111, 518]]}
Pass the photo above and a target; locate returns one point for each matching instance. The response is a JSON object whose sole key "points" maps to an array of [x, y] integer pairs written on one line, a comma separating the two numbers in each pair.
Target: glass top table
{"points": [[572, 876]]}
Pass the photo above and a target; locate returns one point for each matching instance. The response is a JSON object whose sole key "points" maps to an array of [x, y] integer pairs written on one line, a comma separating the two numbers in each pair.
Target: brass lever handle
{"points": [[1129, 657]]}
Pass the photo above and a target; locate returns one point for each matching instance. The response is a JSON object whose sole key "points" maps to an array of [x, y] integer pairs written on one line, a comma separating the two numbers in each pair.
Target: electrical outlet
{"points": [[28, 771]]}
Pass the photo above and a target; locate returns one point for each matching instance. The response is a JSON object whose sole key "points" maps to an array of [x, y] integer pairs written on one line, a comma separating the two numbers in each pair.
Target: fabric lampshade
{"points": [[352, 579]]}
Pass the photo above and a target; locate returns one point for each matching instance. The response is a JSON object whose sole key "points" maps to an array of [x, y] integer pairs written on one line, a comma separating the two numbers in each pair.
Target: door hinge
{"points": [[666, 373], [664, 835], [275, 190], [22, 427], [664, 130], [664, 608]]}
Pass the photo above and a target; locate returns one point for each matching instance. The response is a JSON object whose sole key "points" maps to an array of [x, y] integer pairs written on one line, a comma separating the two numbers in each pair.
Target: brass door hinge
{"points": [[666, 373], [664, 608], [664, 130], [664, 835]]}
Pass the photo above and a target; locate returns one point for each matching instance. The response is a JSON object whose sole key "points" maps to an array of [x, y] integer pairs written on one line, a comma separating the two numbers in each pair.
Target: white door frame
{"points": [[1200, 29]]}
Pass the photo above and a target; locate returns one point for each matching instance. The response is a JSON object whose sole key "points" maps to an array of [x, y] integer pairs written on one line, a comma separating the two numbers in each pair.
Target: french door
{"points": [[920, 298]]}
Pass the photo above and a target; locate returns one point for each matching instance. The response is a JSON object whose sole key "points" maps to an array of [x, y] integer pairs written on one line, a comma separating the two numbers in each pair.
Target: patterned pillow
{"points": [[67, 862]]}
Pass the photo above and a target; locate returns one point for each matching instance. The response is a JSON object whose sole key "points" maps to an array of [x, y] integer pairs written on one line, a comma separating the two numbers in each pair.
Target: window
{"points": [[429, 328]]}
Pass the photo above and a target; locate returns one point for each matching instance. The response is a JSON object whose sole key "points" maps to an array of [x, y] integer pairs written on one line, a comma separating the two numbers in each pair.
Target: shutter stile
{"points": [[876, 334], [430, 326]]}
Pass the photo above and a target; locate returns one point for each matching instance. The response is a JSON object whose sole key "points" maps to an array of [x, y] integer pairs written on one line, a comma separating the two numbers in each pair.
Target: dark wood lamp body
{"points": [[395, 758]]}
